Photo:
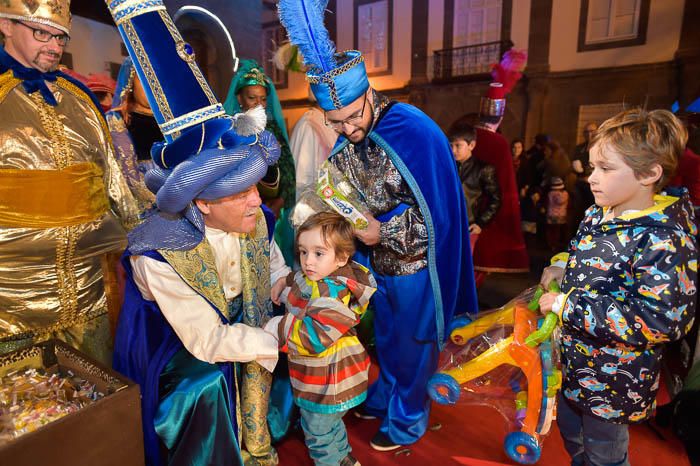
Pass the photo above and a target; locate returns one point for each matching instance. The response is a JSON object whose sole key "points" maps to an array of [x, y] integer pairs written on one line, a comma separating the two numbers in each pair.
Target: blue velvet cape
{"points": [[422, 154]]}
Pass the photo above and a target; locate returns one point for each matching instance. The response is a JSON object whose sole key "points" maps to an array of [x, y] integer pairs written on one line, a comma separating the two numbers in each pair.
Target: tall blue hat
{"points": [[205, 154], [336, 79], [190, 117]]}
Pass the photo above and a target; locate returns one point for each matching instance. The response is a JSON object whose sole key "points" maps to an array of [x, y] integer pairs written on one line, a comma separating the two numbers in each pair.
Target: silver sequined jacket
{"points": [[403, 238]]}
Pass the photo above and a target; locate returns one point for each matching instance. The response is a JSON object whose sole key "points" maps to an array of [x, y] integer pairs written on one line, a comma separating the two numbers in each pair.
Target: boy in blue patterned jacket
{"points": [[628, 285]]}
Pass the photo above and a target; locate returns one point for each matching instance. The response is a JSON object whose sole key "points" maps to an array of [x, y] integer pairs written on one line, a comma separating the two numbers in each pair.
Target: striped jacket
{"points": [[328, 365]]}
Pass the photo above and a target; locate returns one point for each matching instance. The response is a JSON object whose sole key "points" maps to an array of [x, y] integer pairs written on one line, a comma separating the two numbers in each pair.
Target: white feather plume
{"points": [[251, 122]]}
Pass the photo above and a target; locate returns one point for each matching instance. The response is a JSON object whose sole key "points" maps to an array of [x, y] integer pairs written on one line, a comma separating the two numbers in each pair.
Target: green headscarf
{"points": [[251, 74]]}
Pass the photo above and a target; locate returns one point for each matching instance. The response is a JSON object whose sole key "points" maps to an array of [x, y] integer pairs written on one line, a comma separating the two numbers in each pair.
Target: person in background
{"points": [[250, 87], [557, 203], [530, 177], [501, 246], [134, 130], [64, 204], [103, 87], [516, 150], [311, 143], [478, 179], [582, 197]]}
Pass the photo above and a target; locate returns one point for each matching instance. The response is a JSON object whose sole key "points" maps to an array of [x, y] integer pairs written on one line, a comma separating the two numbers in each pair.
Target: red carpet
{"points": [[473, 436]]}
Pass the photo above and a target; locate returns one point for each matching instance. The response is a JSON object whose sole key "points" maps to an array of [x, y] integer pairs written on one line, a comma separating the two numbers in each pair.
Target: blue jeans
{"points": [[591, 441], [325, 437]]}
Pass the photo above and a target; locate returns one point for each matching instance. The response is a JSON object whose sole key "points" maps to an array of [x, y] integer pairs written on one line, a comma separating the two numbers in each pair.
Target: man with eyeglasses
{"points": [[417, 241], [60, 189]]}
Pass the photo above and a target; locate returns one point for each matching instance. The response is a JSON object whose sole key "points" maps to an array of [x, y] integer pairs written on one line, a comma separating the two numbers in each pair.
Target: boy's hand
{"points": [[546, 302], [370, 235], [550, 273], [474, 229], [276, 290]]}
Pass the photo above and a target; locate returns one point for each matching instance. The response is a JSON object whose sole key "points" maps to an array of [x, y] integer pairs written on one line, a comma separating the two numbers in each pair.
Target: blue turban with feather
{"points": [[336, 79]]}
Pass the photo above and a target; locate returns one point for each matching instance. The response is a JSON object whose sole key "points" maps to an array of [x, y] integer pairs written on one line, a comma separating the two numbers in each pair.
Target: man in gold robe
{"points": [[60, 189]]}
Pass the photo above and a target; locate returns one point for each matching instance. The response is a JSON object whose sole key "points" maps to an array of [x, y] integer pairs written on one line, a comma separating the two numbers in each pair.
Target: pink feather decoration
{"points": [[509, 71]]}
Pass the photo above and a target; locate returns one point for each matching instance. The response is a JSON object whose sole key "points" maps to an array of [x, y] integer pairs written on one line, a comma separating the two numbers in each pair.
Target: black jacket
{"points": [[481, 190]]}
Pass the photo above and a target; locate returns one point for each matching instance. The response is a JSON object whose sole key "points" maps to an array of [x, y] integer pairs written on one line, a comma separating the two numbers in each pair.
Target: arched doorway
{"points": [[212, 44]]}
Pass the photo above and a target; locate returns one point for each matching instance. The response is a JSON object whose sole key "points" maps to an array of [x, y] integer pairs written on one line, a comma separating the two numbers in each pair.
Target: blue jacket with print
{"points": [[630, 286]]}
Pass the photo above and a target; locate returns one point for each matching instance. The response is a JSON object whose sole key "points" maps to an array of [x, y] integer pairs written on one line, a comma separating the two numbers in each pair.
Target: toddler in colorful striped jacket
{"points": [[328, 366]]}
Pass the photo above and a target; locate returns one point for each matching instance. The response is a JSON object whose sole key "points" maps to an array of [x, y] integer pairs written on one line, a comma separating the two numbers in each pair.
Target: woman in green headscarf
{"points": [[251, 87]]}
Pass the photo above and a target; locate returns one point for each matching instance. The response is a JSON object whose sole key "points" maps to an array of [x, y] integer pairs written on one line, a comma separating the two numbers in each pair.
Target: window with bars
{"points": [[612, 23]]}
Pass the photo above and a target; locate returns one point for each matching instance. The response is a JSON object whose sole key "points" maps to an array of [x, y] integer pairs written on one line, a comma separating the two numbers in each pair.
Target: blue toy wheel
{"points": [[458, 322], [522, 448], [443, 389]]}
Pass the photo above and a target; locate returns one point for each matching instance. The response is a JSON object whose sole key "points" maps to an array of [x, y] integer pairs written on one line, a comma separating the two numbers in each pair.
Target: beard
{"points": [[46, 61], [357, 136]]}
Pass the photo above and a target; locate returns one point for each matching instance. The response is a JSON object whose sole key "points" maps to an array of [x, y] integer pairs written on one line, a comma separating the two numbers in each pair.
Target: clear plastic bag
{"points": [[506, 358], [332, 193]]}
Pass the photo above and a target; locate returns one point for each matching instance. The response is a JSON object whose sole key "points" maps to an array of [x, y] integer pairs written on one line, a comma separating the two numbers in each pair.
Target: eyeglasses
{"points": [[352, 120], [44, 36]]}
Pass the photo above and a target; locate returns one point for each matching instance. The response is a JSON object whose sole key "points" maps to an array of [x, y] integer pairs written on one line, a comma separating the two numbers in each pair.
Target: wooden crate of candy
{"points": [[60, 407]]}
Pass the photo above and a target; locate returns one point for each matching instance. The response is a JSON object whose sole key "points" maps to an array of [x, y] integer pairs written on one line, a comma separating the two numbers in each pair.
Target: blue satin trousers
{"points": [[404, 326]]}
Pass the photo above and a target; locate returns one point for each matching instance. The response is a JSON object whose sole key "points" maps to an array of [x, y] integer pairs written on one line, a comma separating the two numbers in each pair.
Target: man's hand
{"points": [[550, 273], [370, 235], [276, 290], [272, 324], [546, 302], [474, 229]]}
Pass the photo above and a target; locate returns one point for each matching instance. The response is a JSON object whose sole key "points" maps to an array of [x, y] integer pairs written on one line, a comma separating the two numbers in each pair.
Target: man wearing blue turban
{"points": [[199, 267], [417, 240]]}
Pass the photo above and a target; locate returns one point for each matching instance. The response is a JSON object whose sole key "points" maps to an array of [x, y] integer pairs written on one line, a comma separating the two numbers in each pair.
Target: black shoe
{"points": [[381, 442], [362, 414], [349, 461]]}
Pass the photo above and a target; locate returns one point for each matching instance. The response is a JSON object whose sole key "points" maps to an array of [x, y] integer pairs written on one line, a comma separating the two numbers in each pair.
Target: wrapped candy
{"points": [[333, 192], [32, 398]]}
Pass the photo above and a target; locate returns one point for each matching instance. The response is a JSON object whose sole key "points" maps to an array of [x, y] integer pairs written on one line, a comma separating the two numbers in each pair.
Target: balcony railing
{"points": [[468, 60]]}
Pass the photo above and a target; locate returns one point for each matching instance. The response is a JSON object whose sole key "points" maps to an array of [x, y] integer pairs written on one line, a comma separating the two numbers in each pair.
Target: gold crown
{"points": [[55, 13]]}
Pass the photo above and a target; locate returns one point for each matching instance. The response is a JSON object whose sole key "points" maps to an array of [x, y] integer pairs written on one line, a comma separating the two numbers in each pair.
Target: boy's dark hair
{"points": [[462, 131], [336, 232]]}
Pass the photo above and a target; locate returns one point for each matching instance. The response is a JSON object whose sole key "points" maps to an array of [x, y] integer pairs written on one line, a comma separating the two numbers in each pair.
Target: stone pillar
{"points": [[537, 72]]}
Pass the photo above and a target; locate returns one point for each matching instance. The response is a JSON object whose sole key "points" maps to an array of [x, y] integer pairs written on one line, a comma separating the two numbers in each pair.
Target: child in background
{"points": [[328, 365], [478, 179], [628, 285], [557, 203]]}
